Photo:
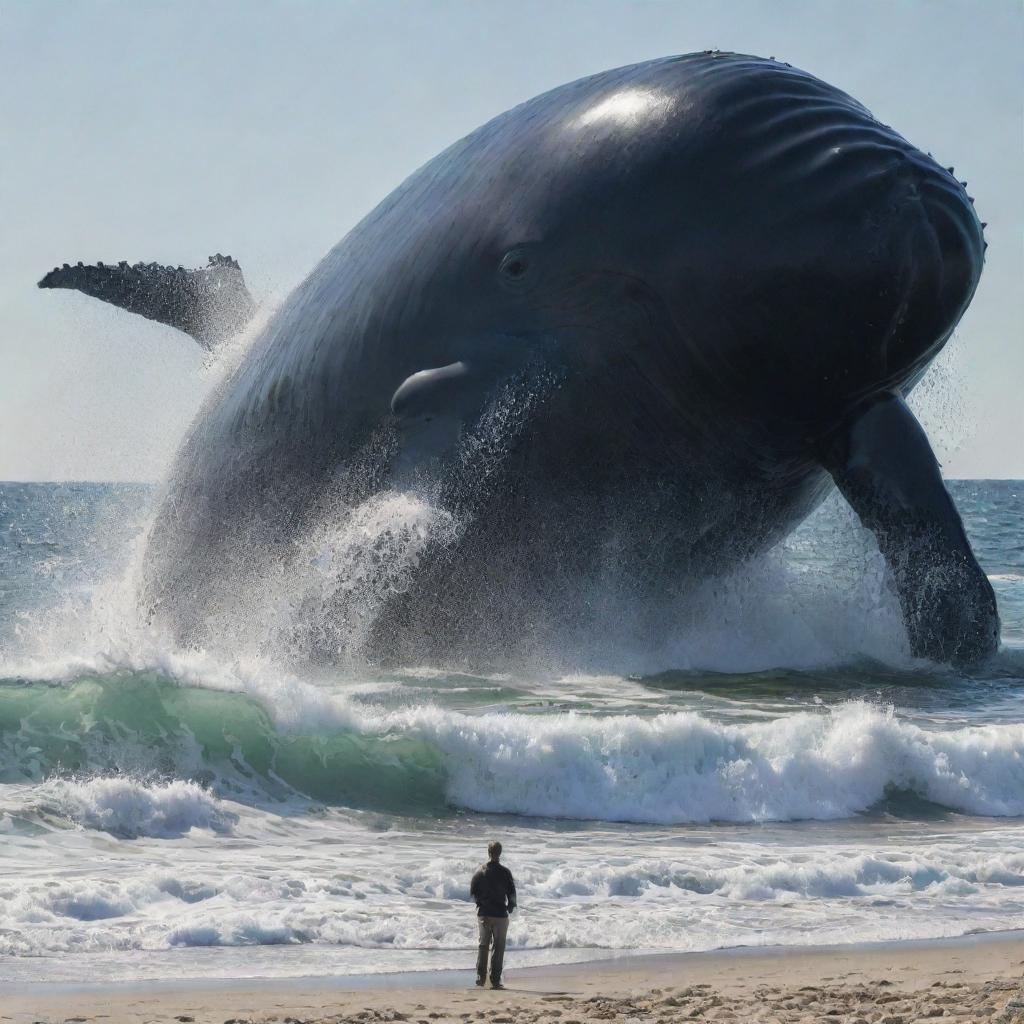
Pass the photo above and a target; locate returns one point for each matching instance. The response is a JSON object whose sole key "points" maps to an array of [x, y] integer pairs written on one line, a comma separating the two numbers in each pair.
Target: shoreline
{"points": [[961, 970], [429, 977]]}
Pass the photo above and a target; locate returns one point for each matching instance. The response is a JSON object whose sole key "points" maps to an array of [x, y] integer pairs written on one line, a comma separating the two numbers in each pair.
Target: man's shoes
{"points": [[479, 982], [496, 984]]}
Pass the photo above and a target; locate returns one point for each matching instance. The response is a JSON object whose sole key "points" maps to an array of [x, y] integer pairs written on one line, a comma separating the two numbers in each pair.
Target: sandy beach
{"points": [[968, 980]]}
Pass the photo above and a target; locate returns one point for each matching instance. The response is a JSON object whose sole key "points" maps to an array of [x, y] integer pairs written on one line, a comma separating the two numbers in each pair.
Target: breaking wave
{"points": [[284, 737], [129, 809]]}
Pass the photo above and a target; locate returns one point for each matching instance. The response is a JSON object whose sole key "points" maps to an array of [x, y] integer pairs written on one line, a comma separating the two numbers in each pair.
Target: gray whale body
{"points": [[633, 329]]}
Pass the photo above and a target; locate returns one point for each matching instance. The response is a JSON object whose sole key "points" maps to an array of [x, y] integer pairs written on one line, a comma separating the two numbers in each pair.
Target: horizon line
{"points": [[156, 483]]}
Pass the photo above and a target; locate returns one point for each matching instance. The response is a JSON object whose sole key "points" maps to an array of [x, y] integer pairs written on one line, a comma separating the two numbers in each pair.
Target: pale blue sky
{"points": [[168, 131]]}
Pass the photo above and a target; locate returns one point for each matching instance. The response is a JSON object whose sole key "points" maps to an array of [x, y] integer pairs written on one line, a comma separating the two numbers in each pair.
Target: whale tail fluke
{"points": [[209, 303]]}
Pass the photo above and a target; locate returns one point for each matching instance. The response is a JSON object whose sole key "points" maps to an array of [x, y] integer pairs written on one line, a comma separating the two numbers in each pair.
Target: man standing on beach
{"points": [[494, 891]]}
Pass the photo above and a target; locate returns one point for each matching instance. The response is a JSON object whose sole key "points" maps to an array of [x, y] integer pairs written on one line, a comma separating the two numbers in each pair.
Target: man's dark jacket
{"points": [[494, 890]]}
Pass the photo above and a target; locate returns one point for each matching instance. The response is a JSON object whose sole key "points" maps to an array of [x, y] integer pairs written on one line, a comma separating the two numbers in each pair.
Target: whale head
{"points": [[707, 234]]}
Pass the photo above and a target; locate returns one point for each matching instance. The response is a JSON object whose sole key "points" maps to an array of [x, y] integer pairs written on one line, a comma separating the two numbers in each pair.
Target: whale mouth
{"points": [[949, 272], [936, 257]]}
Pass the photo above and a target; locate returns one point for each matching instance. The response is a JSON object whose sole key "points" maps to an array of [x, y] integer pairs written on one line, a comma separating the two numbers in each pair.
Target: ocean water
{"points": [[779, 770]]}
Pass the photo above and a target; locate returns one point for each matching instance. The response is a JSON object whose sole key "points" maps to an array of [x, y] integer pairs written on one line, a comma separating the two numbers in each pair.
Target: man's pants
{"points": [[492, 929]]}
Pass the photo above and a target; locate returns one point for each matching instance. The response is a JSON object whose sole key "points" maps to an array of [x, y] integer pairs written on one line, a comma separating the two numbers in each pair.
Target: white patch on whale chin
{"points": [[626, 107]]}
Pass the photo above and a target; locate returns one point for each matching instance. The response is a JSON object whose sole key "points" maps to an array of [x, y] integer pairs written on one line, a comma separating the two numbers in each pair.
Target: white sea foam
{"points": [[329, 880], [129, 808], [686, 768]]}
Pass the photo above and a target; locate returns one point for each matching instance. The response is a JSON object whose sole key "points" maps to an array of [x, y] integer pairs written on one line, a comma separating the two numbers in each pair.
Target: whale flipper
{"points": [[883, 465], [210, 303]]}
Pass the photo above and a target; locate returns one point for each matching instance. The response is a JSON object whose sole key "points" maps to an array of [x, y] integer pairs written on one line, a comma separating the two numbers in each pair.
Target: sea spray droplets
{"points": [[348, 570], [320, 601], [324, 599]]}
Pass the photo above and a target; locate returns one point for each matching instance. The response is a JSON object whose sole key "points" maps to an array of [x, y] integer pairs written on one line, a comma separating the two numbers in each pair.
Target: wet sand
{"points": [[966, 980]]}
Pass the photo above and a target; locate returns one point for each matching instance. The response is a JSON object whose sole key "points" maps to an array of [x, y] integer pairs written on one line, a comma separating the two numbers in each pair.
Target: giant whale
{"points": [[636, 328]]}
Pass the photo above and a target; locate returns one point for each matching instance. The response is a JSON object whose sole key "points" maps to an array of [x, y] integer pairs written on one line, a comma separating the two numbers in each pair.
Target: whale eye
{"points": [[514, 265]]}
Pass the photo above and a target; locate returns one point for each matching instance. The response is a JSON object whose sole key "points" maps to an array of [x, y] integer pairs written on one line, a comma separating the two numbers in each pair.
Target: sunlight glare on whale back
{"points": [[629, 106]]}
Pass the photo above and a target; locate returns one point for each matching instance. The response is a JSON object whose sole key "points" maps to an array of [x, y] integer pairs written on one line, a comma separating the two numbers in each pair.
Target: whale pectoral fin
{"points": [[883, 465], [429, 408], [210, 303], [429, 392]]}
